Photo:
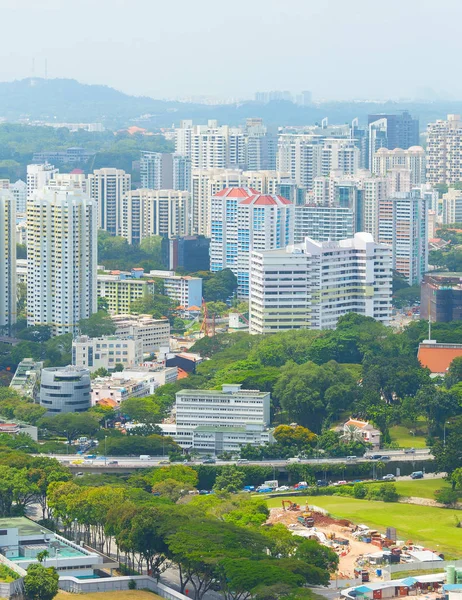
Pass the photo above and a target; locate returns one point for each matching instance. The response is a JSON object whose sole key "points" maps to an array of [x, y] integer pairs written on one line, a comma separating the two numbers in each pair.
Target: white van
{"points": [[294, 460]]}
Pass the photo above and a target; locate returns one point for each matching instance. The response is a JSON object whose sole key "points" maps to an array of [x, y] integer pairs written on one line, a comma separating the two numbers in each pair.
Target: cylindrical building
{"points": [[65, 389]]}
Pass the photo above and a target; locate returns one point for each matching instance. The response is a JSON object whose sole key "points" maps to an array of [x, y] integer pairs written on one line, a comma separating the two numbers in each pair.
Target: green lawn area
{"points": [[420, 488], [432, 527], [404, 439]]}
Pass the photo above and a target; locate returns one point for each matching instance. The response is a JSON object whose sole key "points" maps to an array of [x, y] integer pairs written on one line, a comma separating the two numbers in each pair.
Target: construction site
{"points": [[362, 551]]}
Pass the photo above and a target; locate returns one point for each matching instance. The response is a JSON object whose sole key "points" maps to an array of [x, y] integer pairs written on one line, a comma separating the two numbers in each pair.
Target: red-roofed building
{"points": [[243, 220], [354, 429], [438, 357]]}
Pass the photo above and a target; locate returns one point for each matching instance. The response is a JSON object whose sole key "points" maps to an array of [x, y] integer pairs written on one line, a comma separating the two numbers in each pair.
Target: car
{"points": [[322, 483], [388, 477], [375, 456], [79, 474], [77, 462], [341, 482], [92, 456], [164, 462], [351, 457], [209, 461], [87, 462], [113, 462], [385, 457], [409, 450], [203, 492], [242, 461], [265, 490], [283, 488], [417, 475]]}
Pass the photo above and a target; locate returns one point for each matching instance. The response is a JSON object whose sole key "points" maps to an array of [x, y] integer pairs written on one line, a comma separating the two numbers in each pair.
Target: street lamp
{"points": [[444, 432], [105, 453]]}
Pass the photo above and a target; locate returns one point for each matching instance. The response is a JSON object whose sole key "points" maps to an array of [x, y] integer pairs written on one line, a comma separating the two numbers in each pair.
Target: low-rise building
{"points": [[26, 378], [155, 333], [65, 389], [438, 357], [106, 352], [185, 290], [121, 289], [17, 427], [121, 386], [355, 429]]}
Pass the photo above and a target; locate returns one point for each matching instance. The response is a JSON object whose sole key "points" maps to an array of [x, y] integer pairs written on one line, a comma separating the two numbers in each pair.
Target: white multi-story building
{"points": [[76, 179], [323, 223], [61, 259], [145, 213], [261, 145], [106, 352], [403, 227], [185, 290], [162, 171], [107, 187], [121, 289], [38, 177], [413, 159], [374, 189], [19, 191], [444, 151], [155, 333], [242, 221], [7, 260], [217, 421], [211, 146], [65, 389], [452, 207], [121, 386], [312, 284]]}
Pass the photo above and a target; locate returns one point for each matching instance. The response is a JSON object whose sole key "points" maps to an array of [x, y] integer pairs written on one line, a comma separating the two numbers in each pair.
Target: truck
{"points": [[145, 457], [272, 483], [306, 521]]}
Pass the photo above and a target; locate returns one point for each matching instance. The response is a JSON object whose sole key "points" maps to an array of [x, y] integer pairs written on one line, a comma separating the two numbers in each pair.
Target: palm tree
{"points": [[351, 433]]}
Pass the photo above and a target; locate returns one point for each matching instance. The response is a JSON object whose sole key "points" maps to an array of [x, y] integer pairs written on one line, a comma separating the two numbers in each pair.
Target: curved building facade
{"points": [[65, 389]]}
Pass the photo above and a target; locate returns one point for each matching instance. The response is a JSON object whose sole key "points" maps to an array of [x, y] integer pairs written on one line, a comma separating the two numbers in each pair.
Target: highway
{"points": [[119, 463]]}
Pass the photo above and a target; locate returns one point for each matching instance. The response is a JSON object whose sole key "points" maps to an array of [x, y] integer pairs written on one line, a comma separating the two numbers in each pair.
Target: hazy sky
{"points": [[336, 48]]}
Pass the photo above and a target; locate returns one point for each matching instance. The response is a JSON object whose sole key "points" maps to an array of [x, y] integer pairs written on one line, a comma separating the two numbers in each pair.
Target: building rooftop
{"points": [[25, 526], [438, 357]]}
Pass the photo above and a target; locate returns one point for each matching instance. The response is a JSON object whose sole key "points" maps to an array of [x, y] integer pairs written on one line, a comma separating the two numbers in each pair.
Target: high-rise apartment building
{"points": [[38, 177], [402, 225], [107, 187], [312, 284], [163, 171], [452, 207], [7, 260], [145, 213], [242, 221], [19, 191], [76, 179], [412, 159], [444, 151], [323, 223], [261, 145], [61, 259], [121, 290]]}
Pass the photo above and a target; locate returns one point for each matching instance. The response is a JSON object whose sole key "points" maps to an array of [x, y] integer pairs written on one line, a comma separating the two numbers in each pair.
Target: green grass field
{"points": [[432, 527], [404, 439], [420, 488]]}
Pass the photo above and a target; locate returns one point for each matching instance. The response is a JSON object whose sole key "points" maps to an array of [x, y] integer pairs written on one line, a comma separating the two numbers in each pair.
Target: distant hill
{"points": [[69, 100]]}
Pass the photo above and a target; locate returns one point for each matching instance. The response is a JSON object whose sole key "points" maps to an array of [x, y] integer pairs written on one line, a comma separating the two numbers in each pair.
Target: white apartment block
{"points": [[323, 223], [312, 284], [444, 151], [452, 207], [205, 417], [38, 177], [61, 259], [412, 159], [374, 189], [120, 290], [19, 191], [211, 146], [107, 187], [243, 221], [155, 333], [185, 290], [106, 352], [76, 179], [161, 170], [7, 260], [145, 213], [403, 227]]}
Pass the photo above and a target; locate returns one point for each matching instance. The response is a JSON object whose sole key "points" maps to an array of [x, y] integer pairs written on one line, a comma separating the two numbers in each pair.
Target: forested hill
{"points": [[71, 101]]}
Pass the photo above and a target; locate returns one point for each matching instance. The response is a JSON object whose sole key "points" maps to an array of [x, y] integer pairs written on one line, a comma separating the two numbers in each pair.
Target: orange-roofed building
{"points": [[356, 429], [107, 402], [438, 357], [243, 220], [182, 374]]}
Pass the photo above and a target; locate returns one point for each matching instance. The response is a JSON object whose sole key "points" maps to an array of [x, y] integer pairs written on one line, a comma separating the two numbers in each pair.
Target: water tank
{"points": [[450, 574]]}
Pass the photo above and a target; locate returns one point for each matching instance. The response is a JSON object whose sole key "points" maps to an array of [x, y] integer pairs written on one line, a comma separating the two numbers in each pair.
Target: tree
{"points": [[318, 555], [41, 583], [298, 436], [101, 372], [144, 410], [220, 286], [454, 373], [171, 489], [447, 496], [71, 424], [180, 473], [230, 479], [118, 368], [157, 305], [98, 324]]}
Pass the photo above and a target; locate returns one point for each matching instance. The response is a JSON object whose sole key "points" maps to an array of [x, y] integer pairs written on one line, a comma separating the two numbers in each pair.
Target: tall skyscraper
{"points": [[38, 177], [7, 260], [242, 221], [312, 284], [444, 151], [61, 259], [402, 225], [401, 130], [107, 187], [154, 212], [261, 145], [163, 171]]}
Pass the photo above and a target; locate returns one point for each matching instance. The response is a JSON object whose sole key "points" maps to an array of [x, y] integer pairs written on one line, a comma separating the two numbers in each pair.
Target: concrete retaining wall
{"points": [[436, 565], [111, 584]]}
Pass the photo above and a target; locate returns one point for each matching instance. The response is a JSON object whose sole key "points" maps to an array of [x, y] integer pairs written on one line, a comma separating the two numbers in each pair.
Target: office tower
{"points": [[38, 177], [312, 284], [61, 259], [7, 260], [65, 390], [242, 221], [444, 151], [261, 145], [145, 213], [452, 207], [441, 297], [162, 171], [402, 225], [401, 130], [191, 252], [412, 159], [323, 223], [107, 187], [211, 146], [19, 191]]}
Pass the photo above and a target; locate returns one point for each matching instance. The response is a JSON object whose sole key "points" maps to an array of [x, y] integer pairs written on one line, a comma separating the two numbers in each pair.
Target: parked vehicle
{"points": [[295, 459], [300, 484], [249, 488], [388, 477], [322, 483], [272, 483], [282, 488], [341, 482], [417, 475], [264, 490]]}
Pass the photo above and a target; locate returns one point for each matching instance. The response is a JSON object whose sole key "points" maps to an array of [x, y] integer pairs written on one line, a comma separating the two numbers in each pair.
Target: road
{"points": [[132, 462]]}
